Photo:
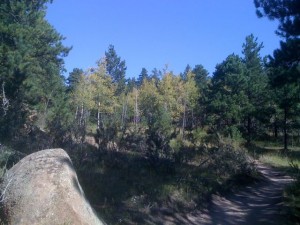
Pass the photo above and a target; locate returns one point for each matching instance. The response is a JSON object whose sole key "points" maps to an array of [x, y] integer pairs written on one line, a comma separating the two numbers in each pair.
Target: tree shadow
{"points": [[261, 203], [135, 189], [256, 151]]}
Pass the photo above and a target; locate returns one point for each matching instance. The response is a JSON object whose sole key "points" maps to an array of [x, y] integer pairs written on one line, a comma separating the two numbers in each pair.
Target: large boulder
{"points": [[43, 189]]}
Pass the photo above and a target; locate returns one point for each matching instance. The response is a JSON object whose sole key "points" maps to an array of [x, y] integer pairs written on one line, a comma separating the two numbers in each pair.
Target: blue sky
{"points": [[153, 33]]}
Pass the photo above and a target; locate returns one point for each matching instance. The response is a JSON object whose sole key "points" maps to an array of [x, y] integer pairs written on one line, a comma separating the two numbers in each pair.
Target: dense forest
{"points": [[156, 125]]}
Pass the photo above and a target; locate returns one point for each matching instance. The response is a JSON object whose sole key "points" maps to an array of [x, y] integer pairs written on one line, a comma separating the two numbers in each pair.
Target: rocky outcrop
{"points": [[43, 189]]}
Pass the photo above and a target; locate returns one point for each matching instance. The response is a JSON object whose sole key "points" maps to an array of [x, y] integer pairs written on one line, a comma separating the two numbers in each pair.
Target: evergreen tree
{"points": [[202, 82], [131, 83], [185, 72], [286, 12], [287, 99], [228, 99], [116, 68], [201, 76], [256, 88], [156, 75], [287, 57], [74, 78], [284, 67], [31, 57], [143, 76]]}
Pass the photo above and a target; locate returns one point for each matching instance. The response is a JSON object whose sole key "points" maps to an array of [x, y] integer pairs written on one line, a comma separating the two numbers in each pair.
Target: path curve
{"points": [[257, 203]]}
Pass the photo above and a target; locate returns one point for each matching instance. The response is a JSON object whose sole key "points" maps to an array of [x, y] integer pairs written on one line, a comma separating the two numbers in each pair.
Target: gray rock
{"points": [[43, 189]]}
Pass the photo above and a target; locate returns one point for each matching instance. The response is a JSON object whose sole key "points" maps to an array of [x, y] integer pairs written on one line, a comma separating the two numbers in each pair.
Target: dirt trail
{"points": [[258, 203]]}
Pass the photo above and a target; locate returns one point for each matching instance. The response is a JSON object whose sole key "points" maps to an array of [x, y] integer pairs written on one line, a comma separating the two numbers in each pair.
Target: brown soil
{"points": [[257, 203]]}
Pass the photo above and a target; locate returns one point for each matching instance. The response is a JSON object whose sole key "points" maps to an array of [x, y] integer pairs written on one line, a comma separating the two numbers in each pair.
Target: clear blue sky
{"points": [[152, 33]]}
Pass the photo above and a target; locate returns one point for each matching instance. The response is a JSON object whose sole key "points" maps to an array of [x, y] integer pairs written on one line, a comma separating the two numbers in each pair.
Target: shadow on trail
{"points": [[260, 203]]}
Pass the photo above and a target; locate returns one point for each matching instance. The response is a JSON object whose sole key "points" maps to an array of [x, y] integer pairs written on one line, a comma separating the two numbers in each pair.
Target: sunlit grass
{"points": [[274, 155], [278, 160], [290, 163]]}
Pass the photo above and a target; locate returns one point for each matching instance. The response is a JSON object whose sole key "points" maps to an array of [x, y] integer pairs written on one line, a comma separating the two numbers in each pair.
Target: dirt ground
{"points": [[258, 203]]}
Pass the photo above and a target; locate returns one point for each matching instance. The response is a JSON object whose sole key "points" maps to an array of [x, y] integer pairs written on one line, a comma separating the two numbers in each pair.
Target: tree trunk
{"points": [[5, 102], [123, 115], [81, 115], [193, 119], [98, 116], [184, 118], [76, 112], [249, 131], [136, 116], [275, 130], [285, 130]]}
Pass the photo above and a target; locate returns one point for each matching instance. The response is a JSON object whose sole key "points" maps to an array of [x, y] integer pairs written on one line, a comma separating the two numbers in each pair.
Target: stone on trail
{"points": [[43, 189]]}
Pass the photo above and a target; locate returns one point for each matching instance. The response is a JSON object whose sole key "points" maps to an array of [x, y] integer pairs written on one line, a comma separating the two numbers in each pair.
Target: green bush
{"points": [[292, 194], [230, 161]]}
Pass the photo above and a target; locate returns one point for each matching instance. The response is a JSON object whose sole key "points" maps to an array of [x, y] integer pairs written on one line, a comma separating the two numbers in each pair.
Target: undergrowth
{"points": [[292, 195], [130, 188]]}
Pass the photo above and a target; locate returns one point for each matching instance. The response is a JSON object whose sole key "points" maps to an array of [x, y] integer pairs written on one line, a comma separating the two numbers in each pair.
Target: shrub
{"points": [[230, 161]]}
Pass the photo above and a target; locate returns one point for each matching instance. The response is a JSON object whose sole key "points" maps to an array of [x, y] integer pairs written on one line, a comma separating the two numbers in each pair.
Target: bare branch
{"points": [[5, 101]]}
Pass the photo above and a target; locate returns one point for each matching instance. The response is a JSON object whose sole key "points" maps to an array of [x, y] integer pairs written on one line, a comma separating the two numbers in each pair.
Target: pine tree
{"points": [[156, 75], [116, 68], [187, 69], [287, 56], [227, 96], [143, 76], [286, 12], [287, 100], [284, 67], [256, 87], [202, 81], [31, 57], [74, 78]]}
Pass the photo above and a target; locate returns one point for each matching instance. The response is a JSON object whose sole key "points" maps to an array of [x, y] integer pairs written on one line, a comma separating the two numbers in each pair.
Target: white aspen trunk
{"points": [[76, 113], [5, 102], [124, 113], [184, 118], [81, 115], [193, 119], [98, 117], [136, 109], [122, 116]]}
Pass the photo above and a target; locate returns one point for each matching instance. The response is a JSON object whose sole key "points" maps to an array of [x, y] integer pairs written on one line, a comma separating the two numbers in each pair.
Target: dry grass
{"points": [[290, 163]]}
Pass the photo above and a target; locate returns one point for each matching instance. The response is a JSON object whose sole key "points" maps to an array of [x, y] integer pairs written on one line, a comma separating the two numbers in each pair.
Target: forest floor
{"points": [[258, 203]]}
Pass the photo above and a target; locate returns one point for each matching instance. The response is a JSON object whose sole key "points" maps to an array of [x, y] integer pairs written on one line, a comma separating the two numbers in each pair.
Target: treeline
{"points": [[247, 97]]}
